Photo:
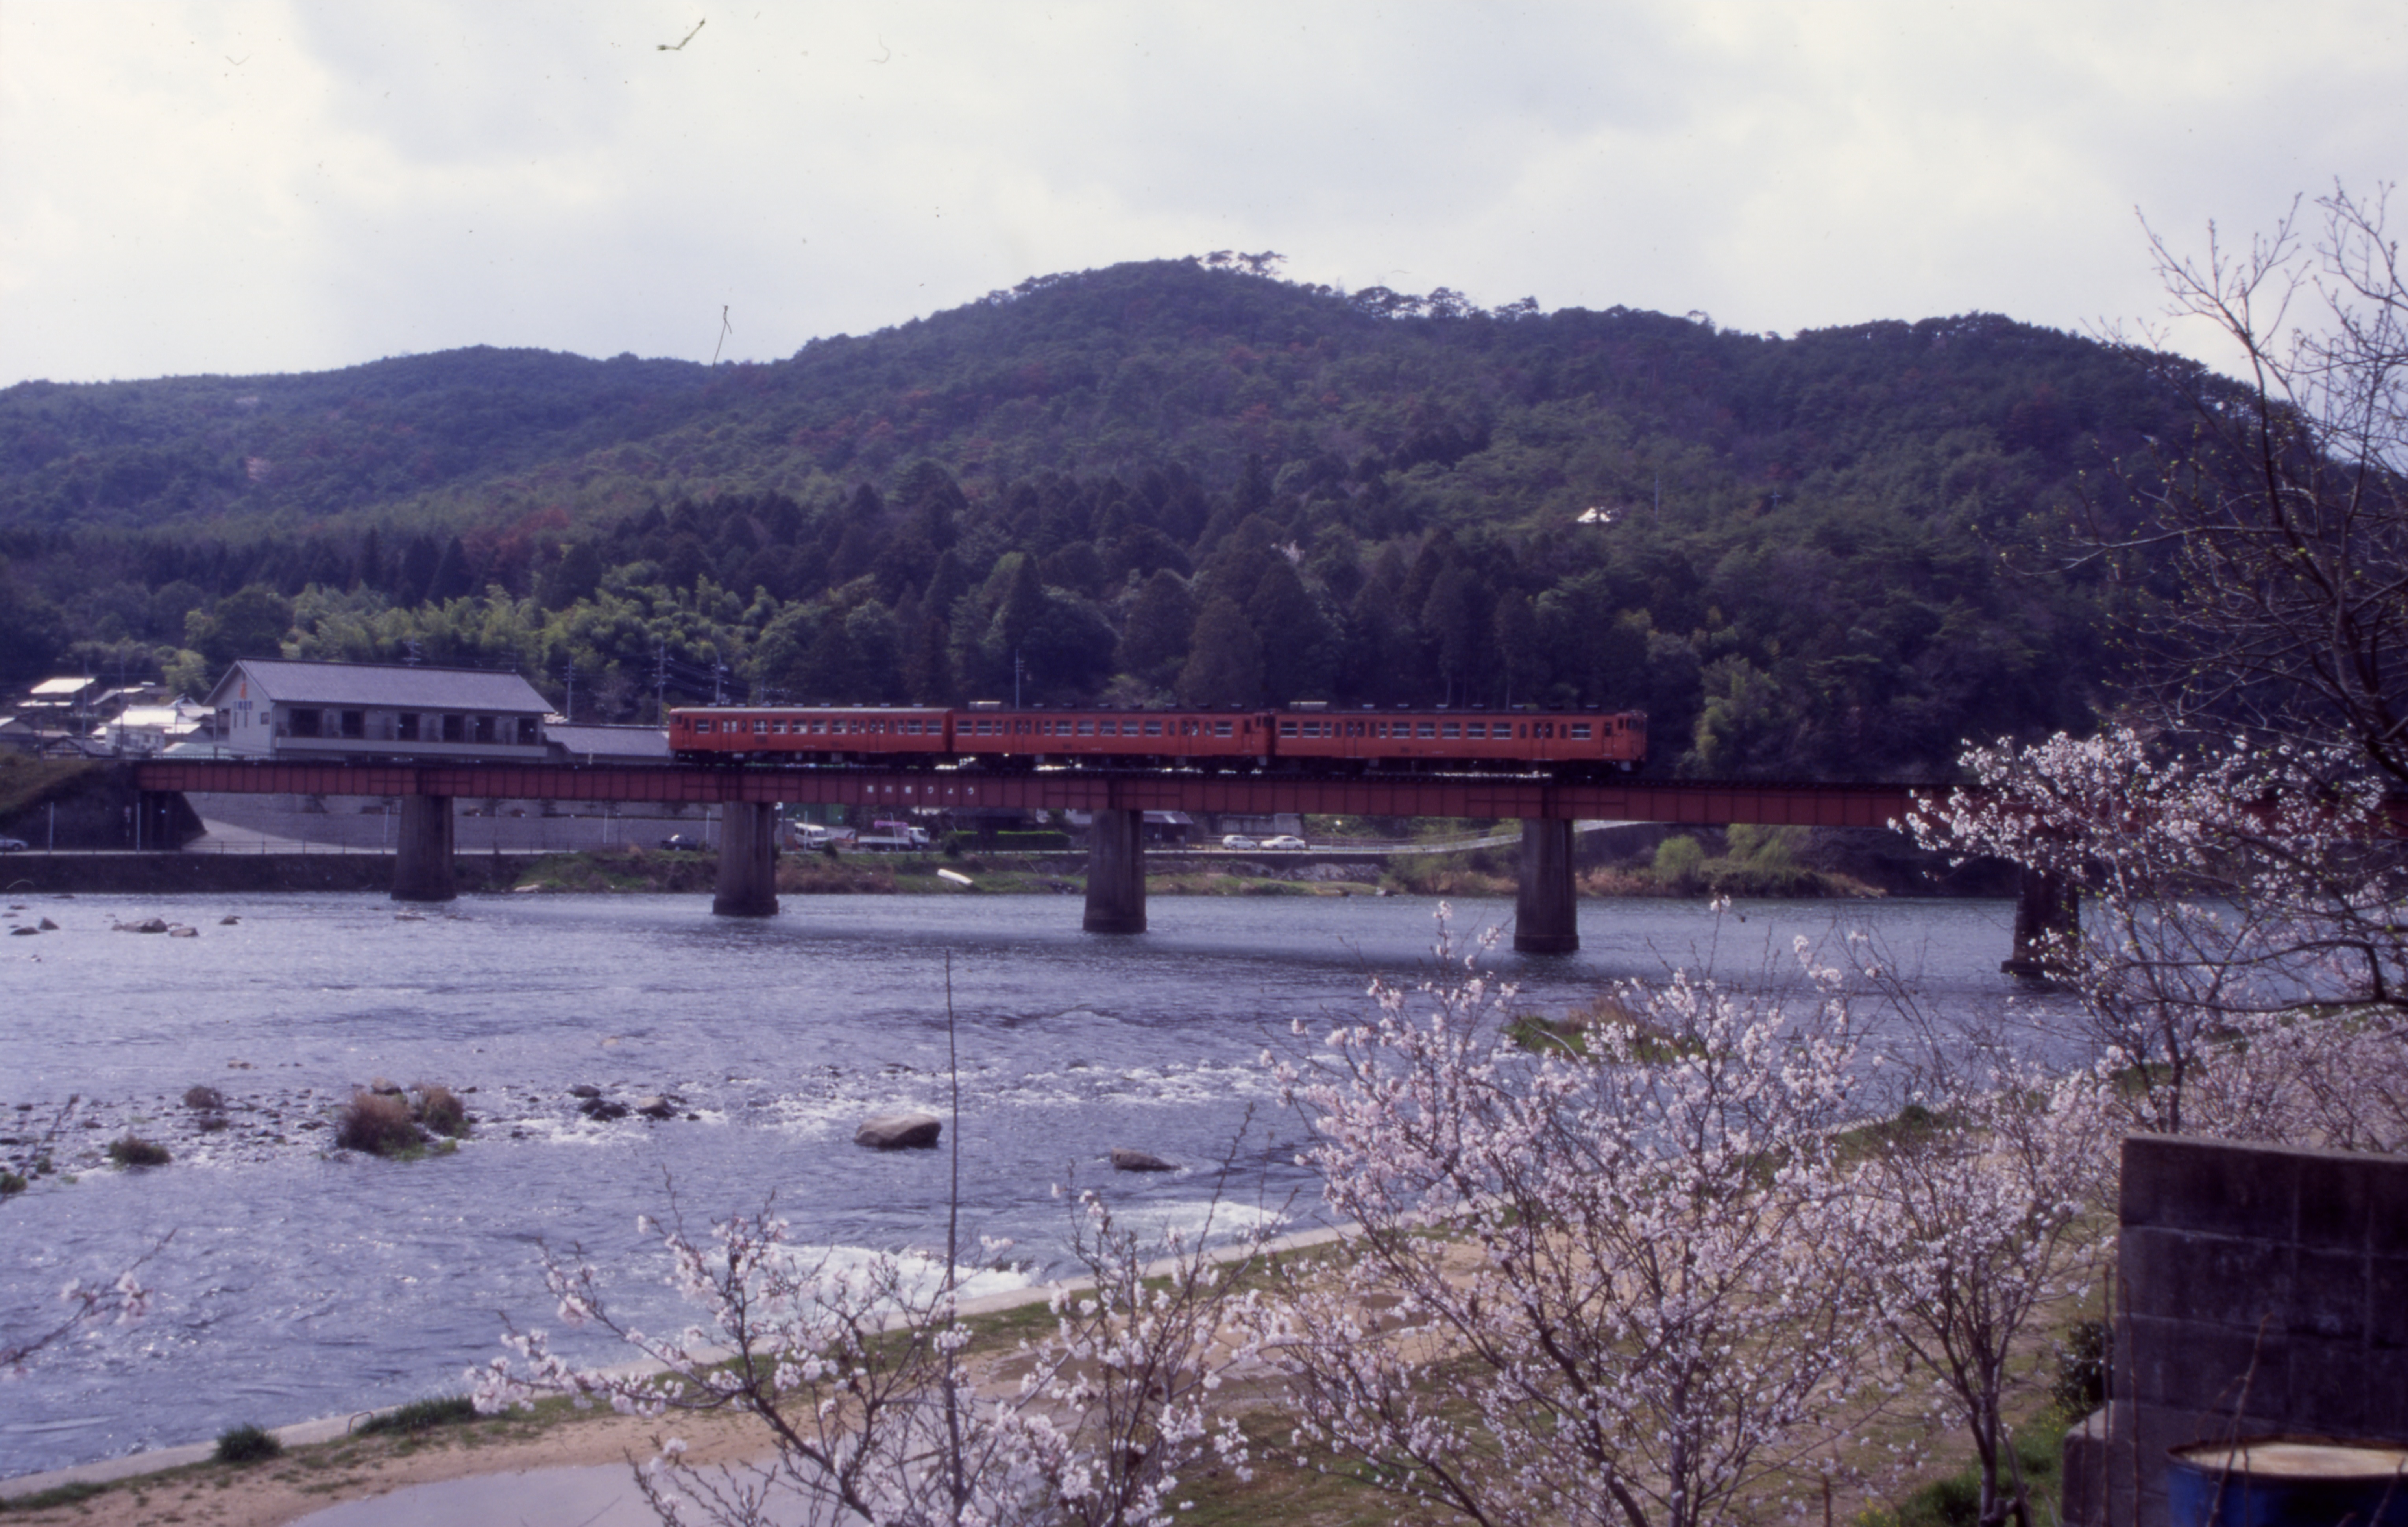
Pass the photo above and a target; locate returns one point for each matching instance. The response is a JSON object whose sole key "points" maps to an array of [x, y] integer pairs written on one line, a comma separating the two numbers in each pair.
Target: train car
{"points": [[830, 734], [1562, 743], [1132, 739]]}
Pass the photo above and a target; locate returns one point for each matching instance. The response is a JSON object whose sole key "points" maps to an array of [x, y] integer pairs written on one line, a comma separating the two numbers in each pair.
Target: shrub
{"points": [[206, 1100], [1679, 863], [133, 1150], [378, 1124], [440, 1109], [246, 1443], [422, 1416], [2081, 1383], [10, 1182]]}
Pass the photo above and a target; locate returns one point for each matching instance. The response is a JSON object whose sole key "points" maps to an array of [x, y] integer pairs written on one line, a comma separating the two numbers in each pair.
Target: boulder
{"points": [[148, 924], [1125, 1159], [20, 932], [584, 1089], [49, 927], [898, 1131], [229, 921], [603, 1108], [180, 932], [656, 1107]]}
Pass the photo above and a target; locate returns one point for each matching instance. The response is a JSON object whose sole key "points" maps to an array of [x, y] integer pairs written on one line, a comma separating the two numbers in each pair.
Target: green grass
{"points": [[57, 1496], [1956, 1500], [26, 783], [421, 1416]]}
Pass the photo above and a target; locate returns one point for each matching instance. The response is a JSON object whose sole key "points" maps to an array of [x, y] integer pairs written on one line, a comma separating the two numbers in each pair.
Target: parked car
{"points": [[1239, 840], [678, 839], [12, 845], [1285, 840]]}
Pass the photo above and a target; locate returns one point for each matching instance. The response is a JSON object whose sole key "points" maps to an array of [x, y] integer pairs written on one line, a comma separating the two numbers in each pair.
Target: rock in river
{"points": [[894, 1132], [1125, 1159]]}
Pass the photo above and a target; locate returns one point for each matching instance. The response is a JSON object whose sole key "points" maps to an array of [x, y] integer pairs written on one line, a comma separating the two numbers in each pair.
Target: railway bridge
{"points": [[1546, 909]]}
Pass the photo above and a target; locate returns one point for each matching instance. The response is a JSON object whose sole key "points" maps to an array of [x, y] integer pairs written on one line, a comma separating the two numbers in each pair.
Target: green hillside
{"points": [[1818, 554]]}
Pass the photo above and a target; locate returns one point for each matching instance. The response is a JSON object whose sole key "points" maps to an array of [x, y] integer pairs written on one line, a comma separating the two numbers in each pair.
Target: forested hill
{"points": [[1178, 477]]}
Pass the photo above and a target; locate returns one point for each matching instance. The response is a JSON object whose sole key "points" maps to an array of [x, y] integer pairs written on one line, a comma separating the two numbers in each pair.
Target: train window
{"points": [[1354, 728], [1580, 730], [1425, 729], [1450, 728], [1087, 728], [761, 726], [1221, 729], [1022, 728], [1477, 729], [1287, 729], [1154, 729]]}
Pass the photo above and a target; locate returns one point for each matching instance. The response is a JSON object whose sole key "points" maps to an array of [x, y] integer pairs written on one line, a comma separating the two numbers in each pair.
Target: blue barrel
{"points": [[2288, 1482]]}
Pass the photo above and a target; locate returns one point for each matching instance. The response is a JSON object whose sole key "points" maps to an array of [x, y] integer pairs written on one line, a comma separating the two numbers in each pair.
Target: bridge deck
{"points": [[1703, 803]]}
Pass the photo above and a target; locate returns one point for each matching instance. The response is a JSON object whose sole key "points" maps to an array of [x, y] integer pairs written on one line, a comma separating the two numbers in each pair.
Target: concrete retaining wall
{"points": [[2260, 1291]]}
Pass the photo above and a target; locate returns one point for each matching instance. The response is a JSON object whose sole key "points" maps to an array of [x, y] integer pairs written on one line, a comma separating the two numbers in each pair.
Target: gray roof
{"points": [[620, 742], [387, 686]]}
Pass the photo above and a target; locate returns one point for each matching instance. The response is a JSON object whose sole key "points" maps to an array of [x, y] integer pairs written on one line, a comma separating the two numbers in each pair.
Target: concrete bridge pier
{"points": [[747, 860], [422, 859], [2045, 904], [1546, 913], [1116, 873]]}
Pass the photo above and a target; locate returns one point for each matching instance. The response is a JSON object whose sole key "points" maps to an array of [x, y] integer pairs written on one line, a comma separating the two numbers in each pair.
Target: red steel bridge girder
{"points": [[1699, 802]]}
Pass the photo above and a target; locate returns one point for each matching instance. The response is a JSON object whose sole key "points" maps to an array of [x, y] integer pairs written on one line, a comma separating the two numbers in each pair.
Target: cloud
{"points": [[274, 188]]}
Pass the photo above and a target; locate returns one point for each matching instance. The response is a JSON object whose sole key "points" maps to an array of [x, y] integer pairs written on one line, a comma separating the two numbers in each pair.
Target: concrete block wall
{"points": [[2259, 1291]]}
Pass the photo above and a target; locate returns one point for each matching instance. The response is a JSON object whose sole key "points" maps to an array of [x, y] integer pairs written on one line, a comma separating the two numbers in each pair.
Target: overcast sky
{"points": [[250, 188]]}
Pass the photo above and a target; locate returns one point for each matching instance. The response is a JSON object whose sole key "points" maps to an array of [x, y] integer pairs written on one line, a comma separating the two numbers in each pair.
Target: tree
{"points": [[860, 1375], [118, 1303], [2239, 962], [1225, 662], [1977, 1210], [250, 623], [1597, 1285], [2286, 511], [1299, 648], [1154, 642]]}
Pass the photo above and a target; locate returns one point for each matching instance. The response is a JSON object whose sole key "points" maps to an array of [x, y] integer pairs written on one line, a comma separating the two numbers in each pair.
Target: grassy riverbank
{"points": [[1750, 863]]}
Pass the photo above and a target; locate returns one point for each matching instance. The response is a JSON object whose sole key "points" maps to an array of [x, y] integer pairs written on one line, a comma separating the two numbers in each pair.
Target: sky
{"points": [[240, 188]]}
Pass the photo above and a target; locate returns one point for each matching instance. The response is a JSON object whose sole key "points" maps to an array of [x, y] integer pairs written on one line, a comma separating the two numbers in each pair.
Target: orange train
{"points": [[1567, 743]]}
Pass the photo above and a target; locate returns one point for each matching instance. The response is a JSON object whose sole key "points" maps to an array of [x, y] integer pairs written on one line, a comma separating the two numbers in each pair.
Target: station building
{"points": [[282, 708]]}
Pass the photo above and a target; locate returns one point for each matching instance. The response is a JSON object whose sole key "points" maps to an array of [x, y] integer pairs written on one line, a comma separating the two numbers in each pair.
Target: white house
{"points": [[273, 708], [153, 728]]}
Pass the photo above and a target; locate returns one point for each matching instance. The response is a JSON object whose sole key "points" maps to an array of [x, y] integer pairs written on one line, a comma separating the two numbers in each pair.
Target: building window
{"points": [[485, 728], [304, 723], [456, 728], [355, 724], [528, 736], [409, 725]]}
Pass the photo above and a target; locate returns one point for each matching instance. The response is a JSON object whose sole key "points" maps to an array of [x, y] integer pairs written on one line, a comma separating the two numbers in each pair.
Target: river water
{"points": [[303, 1281]]}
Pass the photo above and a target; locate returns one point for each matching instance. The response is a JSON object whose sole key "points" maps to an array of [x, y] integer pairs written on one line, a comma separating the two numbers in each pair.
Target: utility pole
{"points": [[1017, 669], [661, 686], [568, 706]]}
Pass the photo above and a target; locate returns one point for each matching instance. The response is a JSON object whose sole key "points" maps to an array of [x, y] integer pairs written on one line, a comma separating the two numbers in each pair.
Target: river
{"points": [[303, 1281]]}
